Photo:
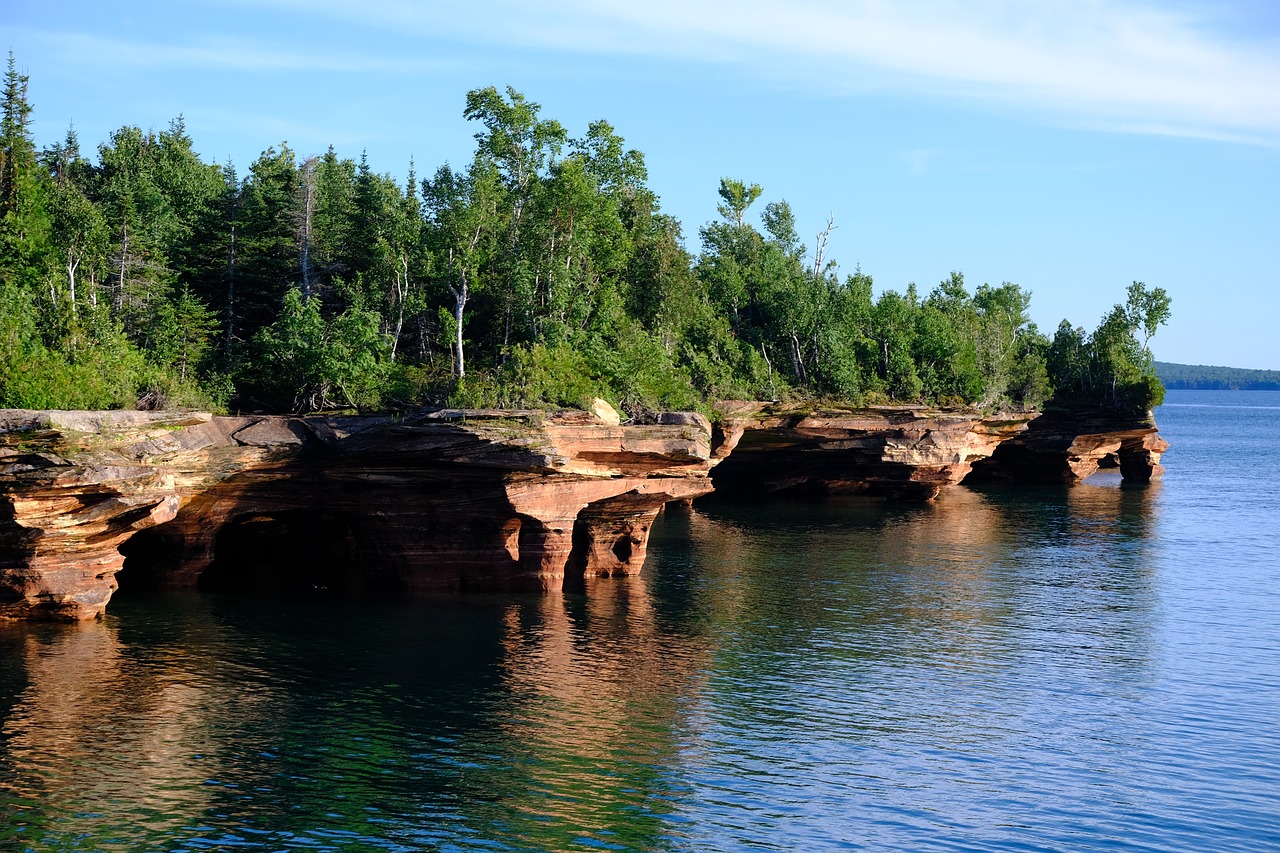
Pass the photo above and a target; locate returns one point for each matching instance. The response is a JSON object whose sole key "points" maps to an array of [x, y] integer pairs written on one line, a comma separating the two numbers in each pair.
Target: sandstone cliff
{"points": [[435, 500], [457, 499], [914, 452]]}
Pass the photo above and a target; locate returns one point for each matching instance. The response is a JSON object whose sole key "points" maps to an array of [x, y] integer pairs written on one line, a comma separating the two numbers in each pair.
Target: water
{"points": [[1047, 669]]}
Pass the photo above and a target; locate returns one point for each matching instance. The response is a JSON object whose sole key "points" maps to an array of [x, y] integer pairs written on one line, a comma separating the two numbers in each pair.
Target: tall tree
{"points": [[78, 229], [24, 224], [267, 245], [522, 147], [461, 212]]}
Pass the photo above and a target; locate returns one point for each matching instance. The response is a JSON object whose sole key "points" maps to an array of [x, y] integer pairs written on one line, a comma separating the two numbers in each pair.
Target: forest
{"points": [[1205, 377], [541, 273]]}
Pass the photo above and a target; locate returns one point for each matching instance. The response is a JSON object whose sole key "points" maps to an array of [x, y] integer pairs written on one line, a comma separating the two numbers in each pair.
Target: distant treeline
{"points": [[1205, 377], [542, 272]]}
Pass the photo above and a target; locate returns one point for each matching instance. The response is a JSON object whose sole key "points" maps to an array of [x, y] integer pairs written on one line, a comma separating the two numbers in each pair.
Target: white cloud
{"points": [[226, 54], [1127, 66], [1138, 66]]}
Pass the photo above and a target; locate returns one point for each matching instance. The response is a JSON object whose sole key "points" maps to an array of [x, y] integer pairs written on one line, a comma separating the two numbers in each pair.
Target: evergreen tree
{"points": [[545, 270], [267, 248], [24, 223]]}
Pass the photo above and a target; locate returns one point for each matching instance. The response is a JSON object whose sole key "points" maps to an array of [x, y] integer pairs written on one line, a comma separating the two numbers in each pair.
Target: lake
{"points": [[1022, 669]]}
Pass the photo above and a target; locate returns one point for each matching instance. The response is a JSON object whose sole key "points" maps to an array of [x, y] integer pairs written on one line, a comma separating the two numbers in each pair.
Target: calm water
{"points": [[1051, 669]]}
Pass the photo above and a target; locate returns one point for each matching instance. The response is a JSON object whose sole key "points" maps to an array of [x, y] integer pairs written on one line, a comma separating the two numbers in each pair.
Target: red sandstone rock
{"points": [[1068, 447], [456, 499], [901, 452], [495, 500]]}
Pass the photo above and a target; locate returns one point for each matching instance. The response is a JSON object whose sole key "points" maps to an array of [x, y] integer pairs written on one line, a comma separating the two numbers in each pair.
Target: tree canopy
{"points": [[542, 272]]}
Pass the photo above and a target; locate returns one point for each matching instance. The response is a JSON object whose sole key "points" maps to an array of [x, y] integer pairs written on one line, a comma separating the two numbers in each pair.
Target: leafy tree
{"points": [[1146, 311], [142, 223], [892, 327], [521, 147], [736, 197], [1002, 316], [545, 268], [304, 363], [1111, 367], [1070, 363], [461, 212], [78, 230]]}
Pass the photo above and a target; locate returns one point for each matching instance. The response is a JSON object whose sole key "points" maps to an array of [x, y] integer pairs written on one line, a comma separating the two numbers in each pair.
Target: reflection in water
{"points": [[90, 701], [601, 691], [875, 661], [988, 671], [534, 722]]}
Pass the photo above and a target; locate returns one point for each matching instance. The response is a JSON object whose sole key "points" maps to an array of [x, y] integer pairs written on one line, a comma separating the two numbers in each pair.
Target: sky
{"points": [[1070, 147]]}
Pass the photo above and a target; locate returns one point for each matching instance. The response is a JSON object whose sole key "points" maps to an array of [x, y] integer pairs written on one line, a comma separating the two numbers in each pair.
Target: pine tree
{"points": [[24, 226]]}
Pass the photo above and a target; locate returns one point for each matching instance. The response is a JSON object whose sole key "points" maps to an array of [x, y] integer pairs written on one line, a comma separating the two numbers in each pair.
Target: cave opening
{"points": [[623, 547], [272, 553], [152, 560], [285, 553]]}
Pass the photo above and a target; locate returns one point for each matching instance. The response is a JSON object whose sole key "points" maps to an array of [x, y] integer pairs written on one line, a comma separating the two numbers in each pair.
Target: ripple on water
{"points": [[1038, 670]]}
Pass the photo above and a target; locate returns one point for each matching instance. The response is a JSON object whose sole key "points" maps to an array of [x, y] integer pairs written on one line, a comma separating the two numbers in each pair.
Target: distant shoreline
{"points": [[1200, 377]]}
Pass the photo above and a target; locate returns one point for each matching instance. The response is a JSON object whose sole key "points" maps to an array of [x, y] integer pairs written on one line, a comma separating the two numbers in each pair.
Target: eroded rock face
{"points": [[458, 499], [1068, 447], [505, 500], [910, 453], [914, 453]]}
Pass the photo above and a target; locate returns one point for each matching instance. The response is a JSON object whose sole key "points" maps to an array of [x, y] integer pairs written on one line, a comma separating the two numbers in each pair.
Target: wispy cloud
{"points": [[224, 54], [917, 160], [1134, 66], [1130, 66]]}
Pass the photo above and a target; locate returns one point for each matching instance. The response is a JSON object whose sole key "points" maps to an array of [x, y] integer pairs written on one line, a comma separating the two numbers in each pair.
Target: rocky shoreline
{"points": [[454, 499]]}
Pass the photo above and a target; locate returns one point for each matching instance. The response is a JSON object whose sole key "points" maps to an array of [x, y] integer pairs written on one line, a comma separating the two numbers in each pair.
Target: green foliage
{"points": [[639, 374], [181, 335], [1111, 367], [303, 362], [94, 367], [481, 391], [1146, 393], [1191, 376], [553, 376], [541, 273]]}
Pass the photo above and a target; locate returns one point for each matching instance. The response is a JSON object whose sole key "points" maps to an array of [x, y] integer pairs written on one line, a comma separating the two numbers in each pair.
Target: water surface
{"points": [[1047, 669]]}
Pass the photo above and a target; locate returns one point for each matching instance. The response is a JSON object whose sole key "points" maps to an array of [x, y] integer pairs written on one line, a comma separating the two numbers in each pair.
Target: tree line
{"points": [[1207, 377], [541, 273]]}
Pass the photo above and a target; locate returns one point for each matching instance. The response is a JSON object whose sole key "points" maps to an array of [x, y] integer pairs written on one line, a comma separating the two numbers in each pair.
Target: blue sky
{"points": [[1071, 147]]}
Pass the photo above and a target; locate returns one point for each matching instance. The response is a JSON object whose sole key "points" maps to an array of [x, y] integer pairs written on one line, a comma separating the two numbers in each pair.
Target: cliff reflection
{"points": [[536, 720], [953, 585], [603, 694], [86, 708], [758, 643]]}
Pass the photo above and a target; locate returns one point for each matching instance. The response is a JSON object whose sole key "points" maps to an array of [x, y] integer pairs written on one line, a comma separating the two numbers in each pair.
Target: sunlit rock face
{"points": [[1068, 447], [441, 499], [452, 499], [910, 453], [914, 453]]}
